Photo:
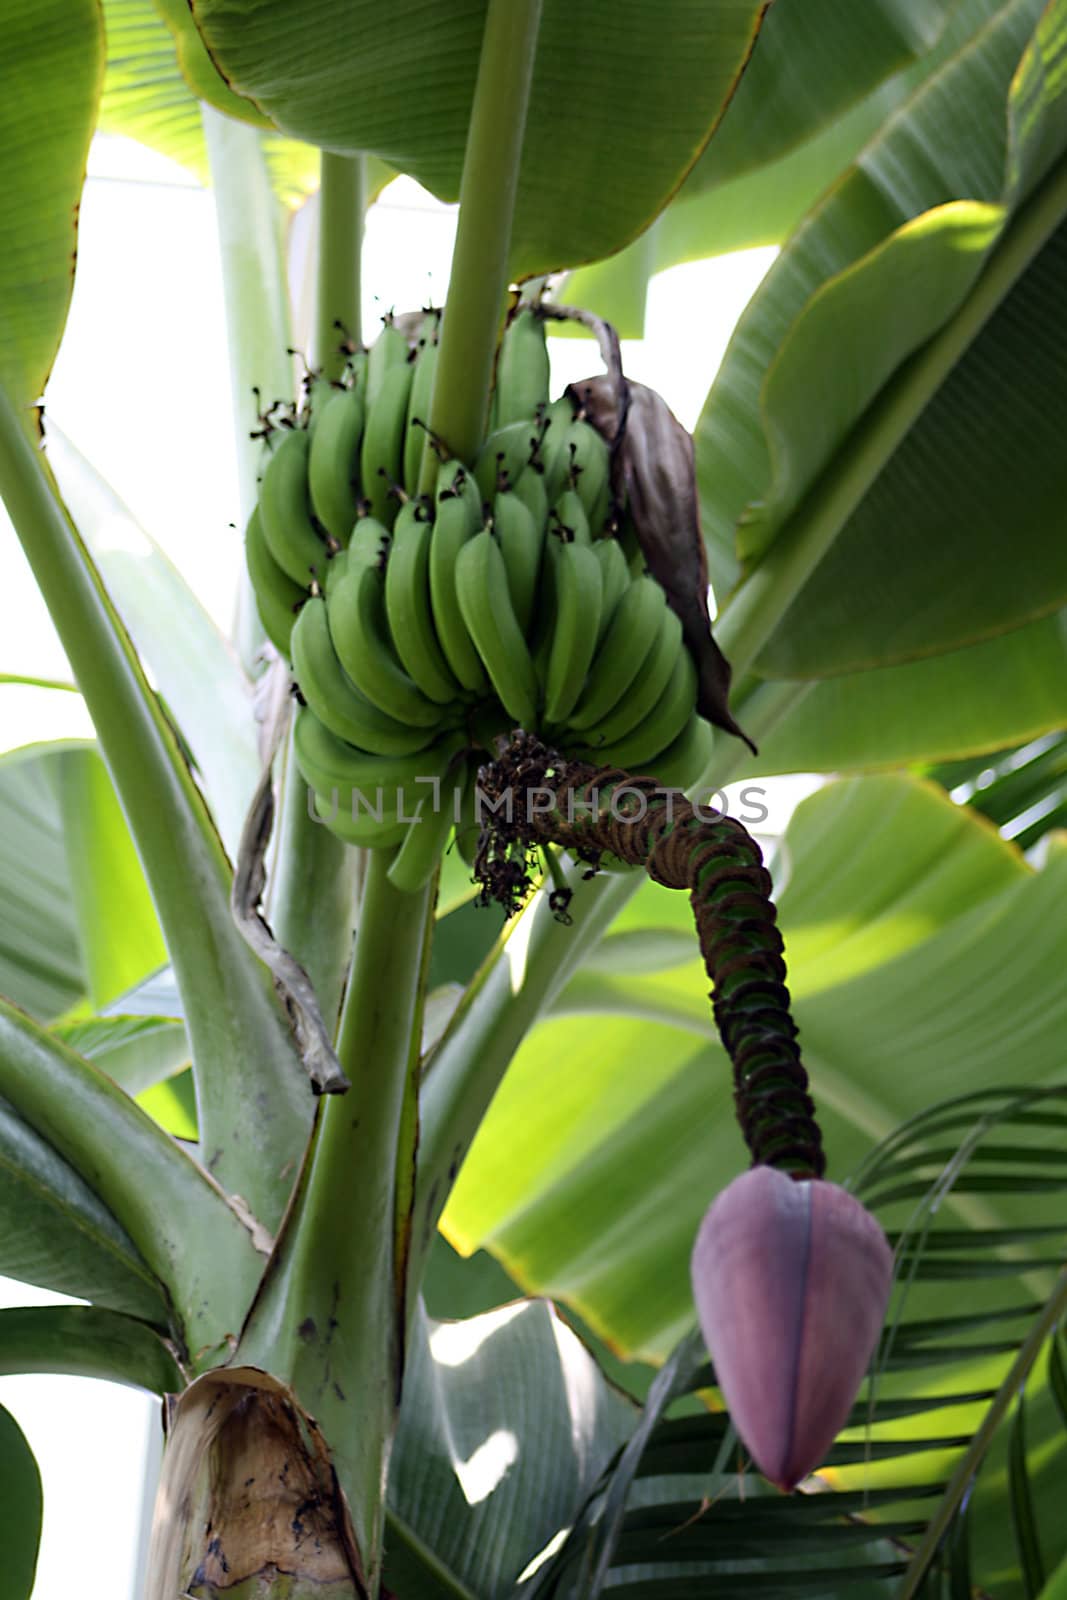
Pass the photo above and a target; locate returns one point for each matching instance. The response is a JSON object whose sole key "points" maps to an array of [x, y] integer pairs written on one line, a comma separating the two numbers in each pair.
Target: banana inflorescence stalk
{"points": [[420, 627], [530, 796]]}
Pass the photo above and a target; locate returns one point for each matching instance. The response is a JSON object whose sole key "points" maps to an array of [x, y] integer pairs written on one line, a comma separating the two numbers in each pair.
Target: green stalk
{"points": [[256, 295], [338, 294], [479, 279], [760, 603], [313, 890], [329, 1319], [519, 978], [254, 1102]]}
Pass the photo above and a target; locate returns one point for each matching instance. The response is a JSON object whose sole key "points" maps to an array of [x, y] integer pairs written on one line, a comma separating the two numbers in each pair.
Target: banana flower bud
{"points": [[791, 1279]]}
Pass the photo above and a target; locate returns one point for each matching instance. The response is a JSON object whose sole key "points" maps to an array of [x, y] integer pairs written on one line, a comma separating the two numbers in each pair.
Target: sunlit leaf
{"points": [[916, 189], [399, 83], [50, 74], [505, 1425]]}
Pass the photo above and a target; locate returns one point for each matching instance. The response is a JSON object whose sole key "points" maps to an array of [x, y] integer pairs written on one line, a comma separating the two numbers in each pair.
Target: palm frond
{"points": [[947, 1480]]}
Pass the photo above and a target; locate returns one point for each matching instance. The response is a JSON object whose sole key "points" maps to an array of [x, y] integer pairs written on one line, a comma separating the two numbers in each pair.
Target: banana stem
{"points": [[338, 296], [330, 1318], [313, 892], [479, 279]]}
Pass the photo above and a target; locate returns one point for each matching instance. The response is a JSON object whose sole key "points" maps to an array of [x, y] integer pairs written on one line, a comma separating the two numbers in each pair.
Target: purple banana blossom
{"points": [[791, 1281]]}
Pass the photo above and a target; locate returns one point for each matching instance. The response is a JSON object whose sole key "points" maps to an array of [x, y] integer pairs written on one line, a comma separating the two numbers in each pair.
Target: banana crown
{"points": [[422, 626]]}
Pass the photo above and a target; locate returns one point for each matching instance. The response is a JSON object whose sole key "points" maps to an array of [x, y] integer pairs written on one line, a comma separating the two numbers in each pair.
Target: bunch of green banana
{"points": [[420, 626], [350, 449]]}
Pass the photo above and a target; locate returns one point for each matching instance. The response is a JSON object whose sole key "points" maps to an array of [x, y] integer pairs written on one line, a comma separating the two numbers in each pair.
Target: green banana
{"points": [[277, 596], [656, 732], [485, 604], [366, 786], [682, 763], [317, 392], [554, 451], [285, 510], [645, 690], [408, 605], [370, 545], [362, 829], [389, 350], [381, 459], [630, 639], [522, 374], [530, 488], [522, 546], [335, 700], [337, 564], [355, 373], [590, 470], [544, 620], [419, 401], [505, 456], [454, 524], [616, 576], [424, 843], [360, 635], [454, 480], [468, 825], [333, 462], [579, 597], [629, 544], [568, 517]]}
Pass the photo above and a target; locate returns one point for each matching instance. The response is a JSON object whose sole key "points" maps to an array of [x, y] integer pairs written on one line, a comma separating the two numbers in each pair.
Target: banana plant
{"points": [[264, 1058]]}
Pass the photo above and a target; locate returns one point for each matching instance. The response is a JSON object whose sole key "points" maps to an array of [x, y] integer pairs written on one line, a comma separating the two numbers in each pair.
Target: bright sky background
{"points": [[141, 386]]}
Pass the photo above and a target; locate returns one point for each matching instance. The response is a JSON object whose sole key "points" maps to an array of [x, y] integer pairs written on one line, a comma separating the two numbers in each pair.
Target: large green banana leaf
{"points": [[914, 975], [41, 965], [635, 93], [86, 1342], [158, 72], [50, 72], [814, 61], [195, 669], [77, 920], [55, 1232], [946, 707], [505, 1426], [897, 421], [814, 93], [20, 1509]]}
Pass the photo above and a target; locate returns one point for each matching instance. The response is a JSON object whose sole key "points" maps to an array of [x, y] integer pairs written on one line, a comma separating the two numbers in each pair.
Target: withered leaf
{"points": [[653, 474]]}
